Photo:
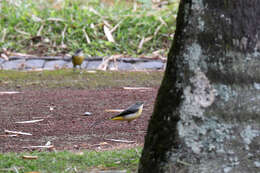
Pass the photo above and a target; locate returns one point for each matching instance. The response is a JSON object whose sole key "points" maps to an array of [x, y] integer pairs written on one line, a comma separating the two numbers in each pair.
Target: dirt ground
{"points": [[64, 124]]}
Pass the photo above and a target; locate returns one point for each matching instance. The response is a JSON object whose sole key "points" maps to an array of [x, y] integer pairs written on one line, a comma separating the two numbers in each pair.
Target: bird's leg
{"points": [[86, 65], [80, 69]]}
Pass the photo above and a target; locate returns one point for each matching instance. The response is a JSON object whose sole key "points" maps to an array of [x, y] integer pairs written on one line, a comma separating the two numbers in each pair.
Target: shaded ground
{"points": [[65, 126]]}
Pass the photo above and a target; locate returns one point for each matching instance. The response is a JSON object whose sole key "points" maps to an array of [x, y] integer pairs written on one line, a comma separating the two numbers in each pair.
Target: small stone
{"points": [[227, 169], [87, 113], [257, 164], [257, 86]]}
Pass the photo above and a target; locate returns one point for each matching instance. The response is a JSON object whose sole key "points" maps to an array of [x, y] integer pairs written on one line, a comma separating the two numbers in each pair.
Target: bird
{"points": [[77, 58], [132, 112]]}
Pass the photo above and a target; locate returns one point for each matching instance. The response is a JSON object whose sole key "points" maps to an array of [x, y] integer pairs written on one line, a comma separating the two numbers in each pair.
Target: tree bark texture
{"points": [[207, 112]]}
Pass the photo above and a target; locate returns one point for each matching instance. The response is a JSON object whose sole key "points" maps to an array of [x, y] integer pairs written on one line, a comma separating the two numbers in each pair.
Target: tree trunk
{"points": [[207, 112]]}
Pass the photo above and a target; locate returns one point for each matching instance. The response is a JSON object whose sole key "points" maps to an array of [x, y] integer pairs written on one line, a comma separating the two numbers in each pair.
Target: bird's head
{"points": [[139, 103], [79, 52]]}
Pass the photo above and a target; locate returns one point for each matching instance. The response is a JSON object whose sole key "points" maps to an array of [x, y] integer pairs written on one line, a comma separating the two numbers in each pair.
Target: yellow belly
{"points": [[77, 60], [127, 117]]}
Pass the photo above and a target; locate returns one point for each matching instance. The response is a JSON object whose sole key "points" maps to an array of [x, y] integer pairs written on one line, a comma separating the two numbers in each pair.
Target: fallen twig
{"points": [[30, 121], [120, 140], [114, 110], [137, 88], [115, 27], [107, 24], [162, 21], [144, 40], [9, 135], [16, 132], [40, 146], [9, 92]]}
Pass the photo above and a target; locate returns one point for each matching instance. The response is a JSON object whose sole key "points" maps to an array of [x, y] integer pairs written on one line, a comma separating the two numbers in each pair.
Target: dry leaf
{"points": [[141, 43], [86, 36], [4, 56], [94, 11], [108, 34], [30, 157]]}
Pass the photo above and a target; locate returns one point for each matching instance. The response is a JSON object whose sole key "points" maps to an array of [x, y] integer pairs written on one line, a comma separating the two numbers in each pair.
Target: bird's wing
{"points": [[130, 110]]}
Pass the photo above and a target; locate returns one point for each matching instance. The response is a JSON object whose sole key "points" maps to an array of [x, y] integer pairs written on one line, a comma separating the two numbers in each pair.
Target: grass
{"points": [[65, 161], [66, 78], [51, 27]]}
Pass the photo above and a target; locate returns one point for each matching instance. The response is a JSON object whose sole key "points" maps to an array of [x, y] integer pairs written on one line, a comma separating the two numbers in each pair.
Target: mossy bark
{"points": [[206, 116]]}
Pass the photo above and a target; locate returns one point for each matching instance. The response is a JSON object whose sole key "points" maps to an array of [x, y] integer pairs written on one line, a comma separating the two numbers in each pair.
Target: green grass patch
{"points": [[65, 161], [66, 78], [57, 27]]}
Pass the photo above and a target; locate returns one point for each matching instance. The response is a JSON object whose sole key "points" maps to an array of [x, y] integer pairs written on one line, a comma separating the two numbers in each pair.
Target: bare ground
{"points": [[64, 124]]}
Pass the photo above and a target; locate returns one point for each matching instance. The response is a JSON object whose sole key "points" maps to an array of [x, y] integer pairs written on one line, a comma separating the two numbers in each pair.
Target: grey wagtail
{"points": [[77, 58], [131, 113]]}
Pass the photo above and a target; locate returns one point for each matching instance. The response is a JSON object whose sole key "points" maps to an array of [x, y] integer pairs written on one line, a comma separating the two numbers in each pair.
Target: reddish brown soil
{"points": [[65, 126]]}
